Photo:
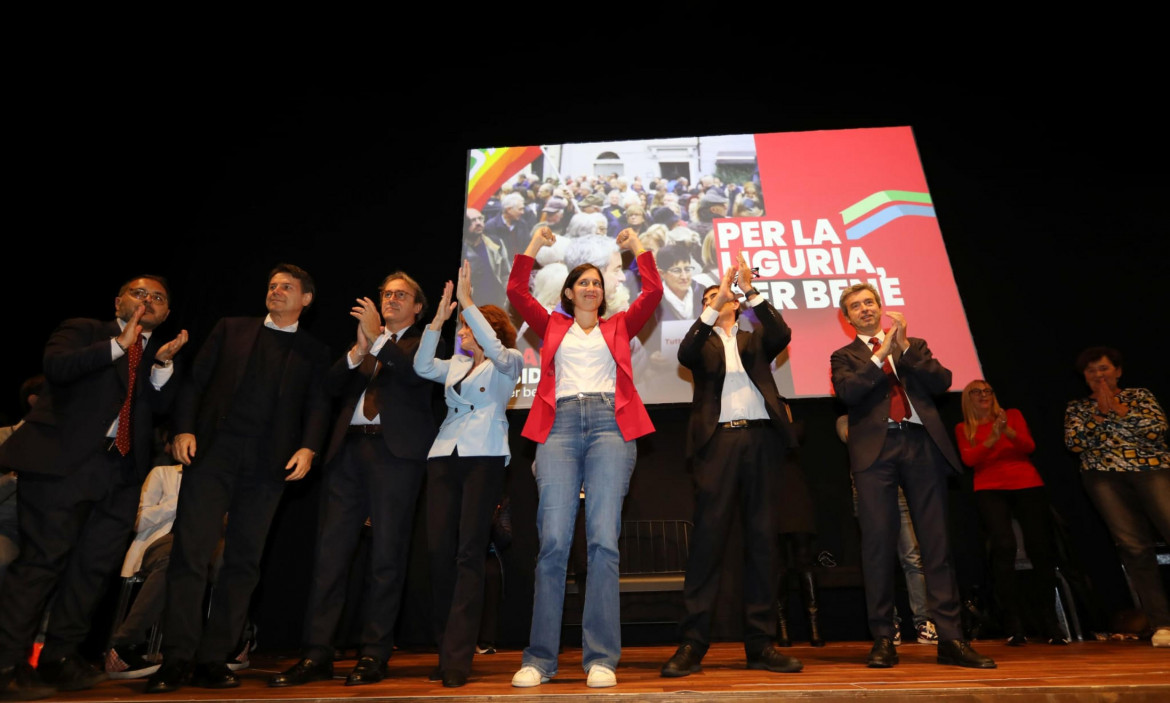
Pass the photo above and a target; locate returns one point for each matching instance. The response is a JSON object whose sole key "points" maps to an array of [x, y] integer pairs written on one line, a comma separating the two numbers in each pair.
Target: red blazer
{"points": [[632, 418]]}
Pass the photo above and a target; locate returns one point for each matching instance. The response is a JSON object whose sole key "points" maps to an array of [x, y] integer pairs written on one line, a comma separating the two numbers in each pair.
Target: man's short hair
{"points": [[1092, 354], [150, 277], [306, 281], [512, 200], [857, 288], [419, 296]]}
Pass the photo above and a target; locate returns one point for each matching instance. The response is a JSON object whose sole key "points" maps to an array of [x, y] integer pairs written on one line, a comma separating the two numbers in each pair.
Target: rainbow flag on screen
{"points": [[488, 169]]}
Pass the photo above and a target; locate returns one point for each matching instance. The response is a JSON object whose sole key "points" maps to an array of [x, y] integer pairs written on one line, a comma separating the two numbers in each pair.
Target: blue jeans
{"points": [[1125, 499], [584, 448]]}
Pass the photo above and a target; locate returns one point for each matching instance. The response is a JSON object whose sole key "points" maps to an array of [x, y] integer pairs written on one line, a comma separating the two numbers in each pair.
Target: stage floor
{"points": [[1088, 671]]}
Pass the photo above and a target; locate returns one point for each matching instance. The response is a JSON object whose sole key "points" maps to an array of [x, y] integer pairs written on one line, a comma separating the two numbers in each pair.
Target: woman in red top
{"points": [[996, 444]]}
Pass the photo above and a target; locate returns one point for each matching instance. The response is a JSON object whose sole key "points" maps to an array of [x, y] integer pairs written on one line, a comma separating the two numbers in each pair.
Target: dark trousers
{"points": [[1030, 508], [74, 533], [233, 477], [734, 470], [148, 604], [908, 459], [462, 494], [363, 481]]}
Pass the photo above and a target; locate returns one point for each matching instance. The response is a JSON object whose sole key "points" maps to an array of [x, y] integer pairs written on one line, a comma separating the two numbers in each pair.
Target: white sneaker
{"points": [[527, 677], [601, 677], [1161, 637], [927, 633]]}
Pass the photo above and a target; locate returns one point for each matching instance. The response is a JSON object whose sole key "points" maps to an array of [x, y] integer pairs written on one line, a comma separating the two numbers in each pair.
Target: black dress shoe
{"points": [[960, 653], [883, 655], [169, 677], [436, 674], [454, 679], [21, 683], [1017, 640], [367, 670], [772, 659], [304, 671], [684, 662], [71, 673], [214, 675]]}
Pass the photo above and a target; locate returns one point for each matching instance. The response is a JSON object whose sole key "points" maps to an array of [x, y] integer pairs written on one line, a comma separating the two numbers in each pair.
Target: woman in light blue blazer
{"points": [[465, 467]]}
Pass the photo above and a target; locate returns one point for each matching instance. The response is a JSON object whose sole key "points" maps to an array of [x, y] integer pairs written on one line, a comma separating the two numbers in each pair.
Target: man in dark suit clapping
{"points": [[896, 438], [81, 455]]}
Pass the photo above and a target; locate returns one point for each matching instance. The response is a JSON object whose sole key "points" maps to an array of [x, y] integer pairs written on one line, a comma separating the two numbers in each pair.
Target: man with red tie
{"points": [[896, 438], [81, 455]]}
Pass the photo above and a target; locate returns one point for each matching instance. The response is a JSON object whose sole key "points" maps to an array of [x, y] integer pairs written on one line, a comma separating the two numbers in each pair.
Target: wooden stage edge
{"points": [[1082, 671]]}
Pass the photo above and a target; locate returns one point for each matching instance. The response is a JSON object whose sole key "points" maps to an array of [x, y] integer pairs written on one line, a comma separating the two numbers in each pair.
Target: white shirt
{"points": [[159, 375], [269, 323], [359, 416], [584, 364], [881, 337], [740, 399], [683, 307]]}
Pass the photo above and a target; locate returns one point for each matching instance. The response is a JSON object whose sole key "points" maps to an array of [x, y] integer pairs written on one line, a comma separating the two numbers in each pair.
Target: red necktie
{"points": [[899, 403], [371, 367], [133, 356]]}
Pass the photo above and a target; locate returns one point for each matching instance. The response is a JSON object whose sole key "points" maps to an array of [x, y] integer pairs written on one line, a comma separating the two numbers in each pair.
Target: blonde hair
{"points": [[970, 422]]}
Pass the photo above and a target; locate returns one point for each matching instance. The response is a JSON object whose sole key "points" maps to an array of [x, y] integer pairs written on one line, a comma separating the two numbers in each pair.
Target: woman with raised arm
{"points": [[465, 467], [584, 419], [996, 443]]}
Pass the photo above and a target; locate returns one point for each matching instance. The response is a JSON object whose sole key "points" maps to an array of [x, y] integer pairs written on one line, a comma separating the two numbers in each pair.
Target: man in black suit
{"points": [[374, 467], [81, 456], [896, 438], [738, 431], [249, 418]]}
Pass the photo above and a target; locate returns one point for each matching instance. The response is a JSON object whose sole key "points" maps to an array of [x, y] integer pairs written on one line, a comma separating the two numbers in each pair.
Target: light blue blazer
{"points": [[476, 422]]}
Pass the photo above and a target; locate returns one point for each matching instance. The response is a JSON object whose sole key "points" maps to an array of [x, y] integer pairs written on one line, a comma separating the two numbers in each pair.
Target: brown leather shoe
{"points": [[772, 659]]}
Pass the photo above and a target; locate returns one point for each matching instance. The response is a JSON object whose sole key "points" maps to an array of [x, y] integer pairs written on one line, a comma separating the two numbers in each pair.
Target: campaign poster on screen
{"points": [[814, 211]]}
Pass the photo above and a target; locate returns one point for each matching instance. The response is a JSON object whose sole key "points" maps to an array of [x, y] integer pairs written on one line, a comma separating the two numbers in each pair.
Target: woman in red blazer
{"points": [[584, 418]]}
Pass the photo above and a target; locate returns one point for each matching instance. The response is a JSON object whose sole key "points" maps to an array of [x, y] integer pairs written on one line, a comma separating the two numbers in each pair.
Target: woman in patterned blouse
{"points": [[1121, 437]]}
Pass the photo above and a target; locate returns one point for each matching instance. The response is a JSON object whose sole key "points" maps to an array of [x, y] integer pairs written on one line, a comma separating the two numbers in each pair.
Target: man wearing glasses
{"points": [[374, 468], [81, 456], [250, 417], [888, 381]]}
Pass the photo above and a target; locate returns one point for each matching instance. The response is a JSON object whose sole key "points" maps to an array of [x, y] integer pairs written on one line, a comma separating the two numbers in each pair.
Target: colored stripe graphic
{"points": [[491, 168], [868, 204]]}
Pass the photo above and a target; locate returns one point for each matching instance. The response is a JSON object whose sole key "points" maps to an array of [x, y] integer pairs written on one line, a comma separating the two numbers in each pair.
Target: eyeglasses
{"points": [[143, 294], [981, 391], [679, 270], [396, 294]]}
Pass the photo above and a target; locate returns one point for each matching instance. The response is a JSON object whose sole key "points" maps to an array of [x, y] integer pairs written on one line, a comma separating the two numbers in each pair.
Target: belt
{"points": [[364, 429], [904, 425], [743, 424]]}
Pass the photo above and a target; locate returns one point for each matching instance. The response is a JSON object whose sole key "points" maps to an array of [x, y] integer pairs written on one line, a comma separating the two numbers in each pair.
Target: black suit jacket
{"points": [[82, 396], [409, 406], [701, 351], [865, 390], [301, 415]]}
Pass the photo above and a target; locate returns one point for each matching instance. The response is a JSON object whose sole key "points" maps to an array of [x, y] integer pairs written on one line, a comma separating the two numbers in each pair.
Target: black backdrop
{"points": [[1049, 199]]}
